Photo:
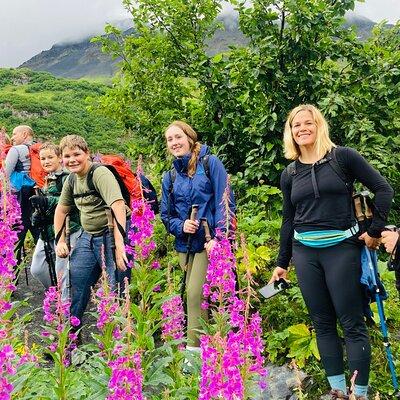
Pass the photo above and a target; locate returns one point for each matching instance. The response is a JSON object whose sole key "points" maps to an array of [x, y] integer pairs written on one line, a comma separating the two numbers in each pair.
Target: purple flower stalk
{"points": [[126, 378], [220, 283], [231, 359], [107, 306], [140, 242], [173, 320]]}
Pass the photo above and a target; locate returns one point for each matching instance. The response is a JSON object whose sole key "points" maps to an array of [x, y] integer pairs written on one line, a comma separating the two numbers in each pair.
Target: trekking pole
{"points": [[207, 233], [68, 243], [372, 261], [373, 266], [110, 226], [193, 217], [48, 250]]}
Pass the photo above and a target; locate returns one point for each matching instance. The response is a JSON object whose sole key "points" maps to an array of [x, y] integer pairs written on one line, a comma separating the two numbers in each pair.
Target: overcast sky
{"points": [[28, 27]]}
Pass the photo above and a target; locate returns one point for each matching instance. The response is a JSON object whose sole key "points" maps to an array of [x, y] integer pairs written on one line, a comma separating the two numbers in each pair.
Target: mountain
{"points": [[74, 60], [85, 59]]}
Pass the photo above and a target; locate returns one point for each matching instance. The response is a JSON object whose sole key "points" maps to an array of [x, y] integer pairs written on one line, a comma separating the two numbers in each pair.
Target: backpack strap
{"points": [[291, 169], [89, 181], [92, 192], [332, 160], [206, 165]]}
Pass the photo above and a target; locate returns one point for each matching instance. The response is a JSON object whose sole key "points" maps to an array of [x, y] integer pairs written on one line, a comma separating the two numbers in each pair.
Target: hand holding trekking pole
{"points": [[364, 218], [390, 238], [210, 242], [191, 225]]}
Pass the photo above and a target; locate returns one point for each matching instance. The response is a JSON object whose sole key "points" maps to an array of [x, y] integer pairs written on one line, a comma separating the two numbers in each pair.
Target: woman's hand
{"points": [[190, 226], [389, 239], [371, 242], [278, 274], [62, 249], [209, 245]]}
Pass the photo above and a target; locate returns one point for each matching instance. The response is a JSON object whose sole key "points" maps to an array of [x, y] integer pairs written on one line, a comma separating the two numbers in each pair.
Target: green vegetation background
{"points": [[297, 52]]}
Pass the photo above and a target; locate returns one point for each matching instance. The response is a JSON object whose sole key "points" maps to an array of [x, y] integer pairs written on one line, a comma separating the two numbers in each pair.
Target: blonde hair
{"points": [[52, 147], [73, 142], [195, 146], [323, 143]]}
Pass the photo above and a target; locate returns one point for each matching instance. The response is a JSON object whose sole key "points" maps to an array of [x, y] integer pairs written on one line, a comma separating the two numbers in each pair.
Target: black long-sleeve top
{"points": [[304, 210]]}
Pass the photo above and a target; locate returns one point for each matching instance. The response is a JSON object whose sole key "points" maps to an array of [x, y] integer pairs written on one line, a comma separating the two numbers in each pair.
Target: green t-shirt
{"points": [[91, 207]]}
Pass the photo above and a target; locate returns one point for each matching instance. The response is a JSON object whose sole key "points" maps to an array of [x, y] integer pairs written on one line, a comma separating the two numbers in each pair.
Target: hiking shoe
{"points": [[338, 394]]}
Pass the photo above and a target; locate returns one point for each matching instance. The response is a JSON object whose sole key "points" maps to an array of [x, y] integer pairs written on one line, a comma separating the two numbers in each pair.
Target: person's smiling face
{"points": [[177, 141], [76, 160], [304, 129], [49, 160]]}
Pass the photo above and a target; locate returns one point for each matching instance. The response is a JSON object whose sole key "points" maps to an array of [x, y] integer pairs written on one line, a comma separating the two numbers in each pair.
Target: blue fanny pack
{"points": [[325, 238], [18, 179]]}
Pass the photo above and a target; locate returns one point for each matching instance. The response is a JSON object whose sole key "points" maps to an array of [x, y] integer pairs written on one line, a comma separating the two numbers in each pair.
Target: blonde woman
{"points": [[317, 200]]}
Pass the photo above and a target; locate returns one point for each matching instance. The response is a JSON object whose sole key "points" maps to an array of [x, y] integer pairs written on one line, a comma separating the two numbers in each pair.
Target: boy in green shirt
{"points": [[95, 246]]}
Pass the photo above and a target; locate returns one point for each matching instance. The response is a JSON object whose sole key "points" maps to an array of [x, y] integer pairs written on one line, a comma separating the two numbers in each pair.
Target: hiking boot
{"points": [[338, 394]]}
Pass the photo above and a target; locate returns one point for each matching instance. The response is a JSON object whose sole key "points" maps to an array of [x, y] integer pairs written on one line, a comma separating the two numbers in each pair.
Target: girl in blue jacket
{"points": [[198, 178]]}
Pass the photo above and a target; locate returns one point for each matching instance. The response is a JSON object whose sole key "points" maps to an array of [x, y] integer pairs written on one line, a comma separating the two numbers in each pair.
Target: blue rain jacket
{"points": [[205, 191]]}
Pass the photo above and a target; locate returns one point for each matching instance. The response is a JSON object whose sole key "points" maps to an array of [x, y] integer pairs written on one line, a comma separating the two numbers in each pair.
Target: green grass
{"points": [[54, 107]]}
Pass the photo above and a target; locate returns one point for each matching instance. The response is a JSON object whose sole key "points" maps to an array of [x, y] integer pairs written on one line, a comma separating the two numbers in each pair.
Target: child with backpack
{"points": [[100, 243], [197, 178], [321, 233], [45, 267]]}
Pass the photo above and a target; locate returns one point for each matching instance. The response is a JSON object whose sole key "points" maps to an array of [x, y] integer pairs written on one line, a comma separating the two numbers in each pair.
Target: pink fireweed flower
{"points": [[141, 231], [107, 306], [7, 357], [155, 265], [173, 319], [220, 280], [126, 378], [10, 224]]}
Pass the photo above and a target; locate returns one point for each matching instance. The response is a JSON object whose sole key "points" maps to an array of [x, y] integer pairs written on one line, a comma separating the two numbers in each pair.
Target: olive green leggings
{"points": [[195, 277]]}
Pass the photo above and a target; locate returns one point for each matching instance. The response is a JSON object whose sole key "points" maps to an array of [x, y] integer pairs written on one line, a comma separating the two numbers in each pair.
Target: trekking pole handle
{"points": [[68, 231], [367, 209], [207, 233], [194, 212], [358, 208]]}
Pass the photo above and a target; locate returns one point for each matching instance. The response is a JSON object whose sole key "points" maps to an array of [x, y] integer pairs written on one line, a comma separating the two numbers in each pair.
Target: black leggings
{"points": [[329, 280]]}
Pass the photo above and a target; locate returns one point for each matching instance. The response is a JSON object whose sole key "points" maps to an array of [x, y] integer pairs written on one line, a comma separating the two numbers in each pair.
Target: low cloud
{"points": [[29, 27]]}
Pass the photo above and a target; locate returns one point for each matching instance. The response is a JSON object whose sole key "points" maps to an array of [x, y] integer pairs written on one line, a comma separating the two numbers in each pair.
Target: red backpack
{"points": [[36, 171], [131, 187]]}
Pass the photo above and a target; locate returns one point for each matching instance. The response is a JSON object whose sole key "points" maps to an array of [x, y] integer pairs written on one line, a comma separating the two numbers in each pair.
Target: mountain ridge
{"points": [[85, 59]]}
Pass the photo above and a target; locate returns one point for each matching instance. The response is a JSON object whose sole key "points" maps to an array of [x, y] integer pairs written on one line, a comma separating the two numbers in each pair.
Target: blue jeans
{"points": [[86, 267]]}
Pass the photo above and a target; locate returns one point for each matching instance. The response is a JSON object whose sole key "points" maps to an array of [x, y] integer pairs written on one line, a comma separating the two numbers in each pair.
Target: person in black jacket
{"points": [[320, 232]]}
